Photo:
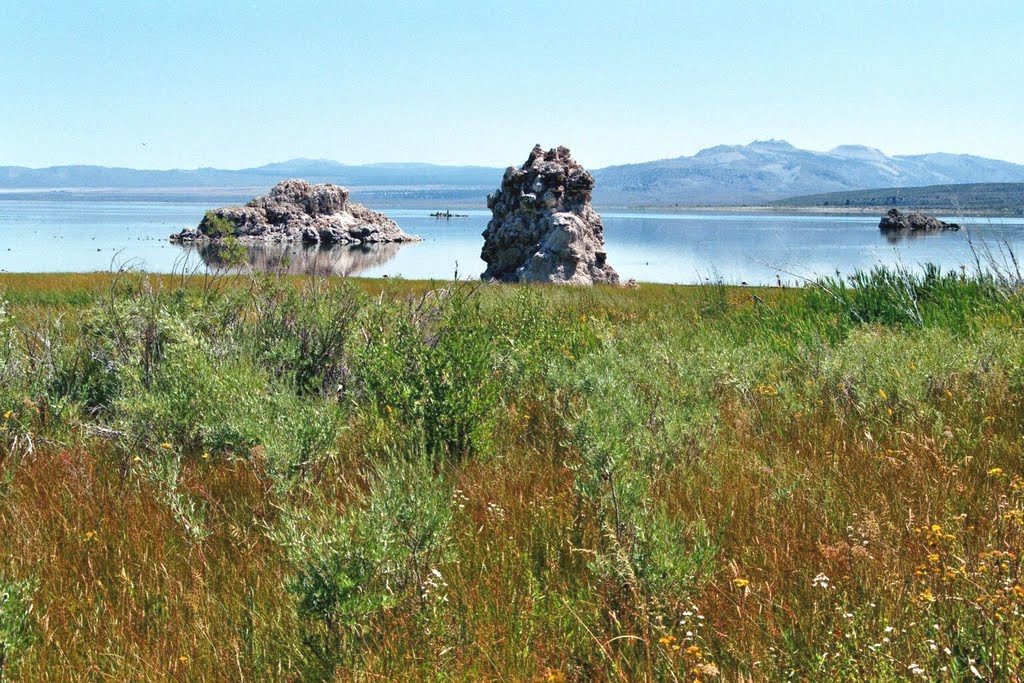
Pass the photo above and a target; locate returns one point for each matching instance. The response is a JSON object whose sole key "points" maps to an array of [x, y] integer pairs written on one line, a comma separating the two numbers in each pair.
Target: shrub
{"points": [[303, 335], [377, 555], [431, 364], [216, 226]]}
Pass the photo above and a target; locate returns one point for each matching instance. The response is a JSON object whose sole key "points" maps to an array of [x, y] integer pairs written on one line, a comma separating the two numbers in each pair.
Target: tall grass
{"points": [[284, 479]]}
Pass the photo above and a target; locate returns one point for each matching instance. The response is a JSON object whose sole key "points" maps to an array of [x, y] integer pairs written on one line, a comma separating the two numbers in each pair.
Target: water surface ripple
{"points": [[84, 236]]}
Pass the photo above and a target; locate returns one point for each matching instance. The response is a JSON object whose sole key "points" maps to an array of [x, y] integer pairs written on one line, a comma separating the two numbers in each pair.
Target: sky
{"points": [[237, 84]]}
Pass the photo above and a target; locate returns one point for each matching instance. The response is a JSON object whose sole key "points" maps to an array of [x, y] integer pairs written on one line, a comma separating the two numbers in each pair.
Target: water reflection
{"points": [[85, 236], [897, 236], [302, 259]]}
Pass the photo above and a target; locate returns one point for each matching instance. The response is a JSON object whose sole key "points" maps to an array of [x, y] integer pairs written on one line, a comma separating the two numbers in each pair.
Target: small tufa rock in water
{"points": [[298, 211], [543, 228], [896, 220]]}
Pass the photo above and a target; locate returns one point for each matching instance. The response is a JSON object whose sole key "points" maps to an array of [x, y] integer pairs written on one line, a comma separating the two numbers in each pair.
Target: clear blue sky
{"points": [[235, 84]]}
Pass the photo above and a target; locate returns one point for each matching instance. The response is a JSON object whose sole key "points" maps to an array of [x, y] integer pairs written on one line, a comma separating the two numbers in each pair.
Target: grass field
{"points": [[258, 479]]}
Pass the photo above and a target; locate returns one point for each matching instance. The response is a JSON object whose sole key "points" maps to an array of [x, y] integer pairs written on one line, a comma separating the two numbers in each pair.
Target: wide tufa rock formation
{"points": [[896, 221], [543, 228], [298, 211]]}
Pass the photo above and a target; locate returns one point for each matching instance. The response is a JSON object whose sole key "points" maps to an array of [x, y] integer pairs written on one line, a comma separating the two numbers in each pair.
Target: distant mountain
{"points": [[762, 171], [773, 169], [1004, 198], [313, 170]]}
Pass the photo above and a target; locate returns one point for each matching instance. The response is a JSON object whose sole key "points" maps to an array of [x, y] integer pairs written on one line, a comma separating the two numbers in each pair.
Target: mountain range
{"points": [[762, 171], [313, 170], [773, 169]]}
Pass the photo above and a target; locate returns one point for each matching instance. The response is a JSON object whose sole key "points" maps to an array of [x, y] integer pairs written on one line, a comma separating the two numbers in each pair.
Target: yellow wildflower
{"points": [[8, 415], [667, 640], [740, 583], [166, 446], [995, 472], [881, 392], [926, 595], [694, 651], [205, 456]]}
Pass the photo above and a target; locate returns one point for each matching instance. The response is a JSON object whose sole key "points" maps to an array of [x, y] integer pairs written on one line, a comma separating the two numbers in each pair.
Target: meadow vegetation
{"points": [[262, 478]]}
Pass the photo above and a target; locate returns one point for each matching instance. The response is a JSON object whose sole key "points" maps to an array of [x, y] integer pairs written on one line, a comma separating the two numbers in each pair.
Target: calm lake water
{"points": [[82, 236]]}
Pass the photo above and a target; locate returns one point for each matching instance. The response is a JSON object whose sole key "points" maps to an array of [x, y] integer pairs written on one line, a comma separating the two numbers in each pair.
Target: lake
{"points": [[84, 235]]}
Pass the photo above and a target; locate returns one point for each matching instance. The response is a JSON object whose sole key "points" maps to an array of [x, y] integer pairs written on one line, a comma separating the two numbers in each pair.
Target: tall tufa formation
{"points": [[543, 228]]}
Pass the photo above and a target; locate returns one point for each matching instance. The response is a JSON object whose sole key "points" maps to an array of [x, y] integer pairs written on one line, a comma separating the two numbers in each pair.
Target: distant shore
{"points": [[800, 210], [374, 196]]}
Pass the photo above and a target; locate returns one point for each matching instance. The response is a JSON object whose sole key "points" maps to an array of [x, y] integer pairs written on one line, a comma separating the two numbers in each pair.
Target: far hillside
{"points": [[997, 198], [724, 175]]}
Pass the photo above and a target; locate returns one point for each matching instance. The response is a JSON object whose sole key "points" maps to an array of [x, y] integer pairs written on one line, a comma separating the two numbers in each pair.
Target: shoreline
{"points": [[372, 195], [19, 287], [806, 210]]}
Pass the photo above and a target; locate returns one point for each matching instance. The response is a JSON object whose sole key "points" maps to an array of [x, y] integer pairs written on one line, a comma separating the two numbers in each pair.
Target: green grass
{"points": [[295, 479]]}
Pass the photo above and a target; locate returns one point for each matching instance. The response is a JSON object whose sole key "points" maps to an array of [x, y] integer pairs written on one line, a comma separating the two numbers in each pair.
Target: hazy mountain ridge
{"points": [[773, 169], [762, 171], [313, 170]]}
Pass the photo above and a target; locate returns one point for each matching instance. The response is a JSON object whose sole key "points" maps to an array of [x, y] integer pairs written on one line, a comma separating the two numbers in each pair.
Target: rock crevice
{"points": [[298, 211], [543, 228]]}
